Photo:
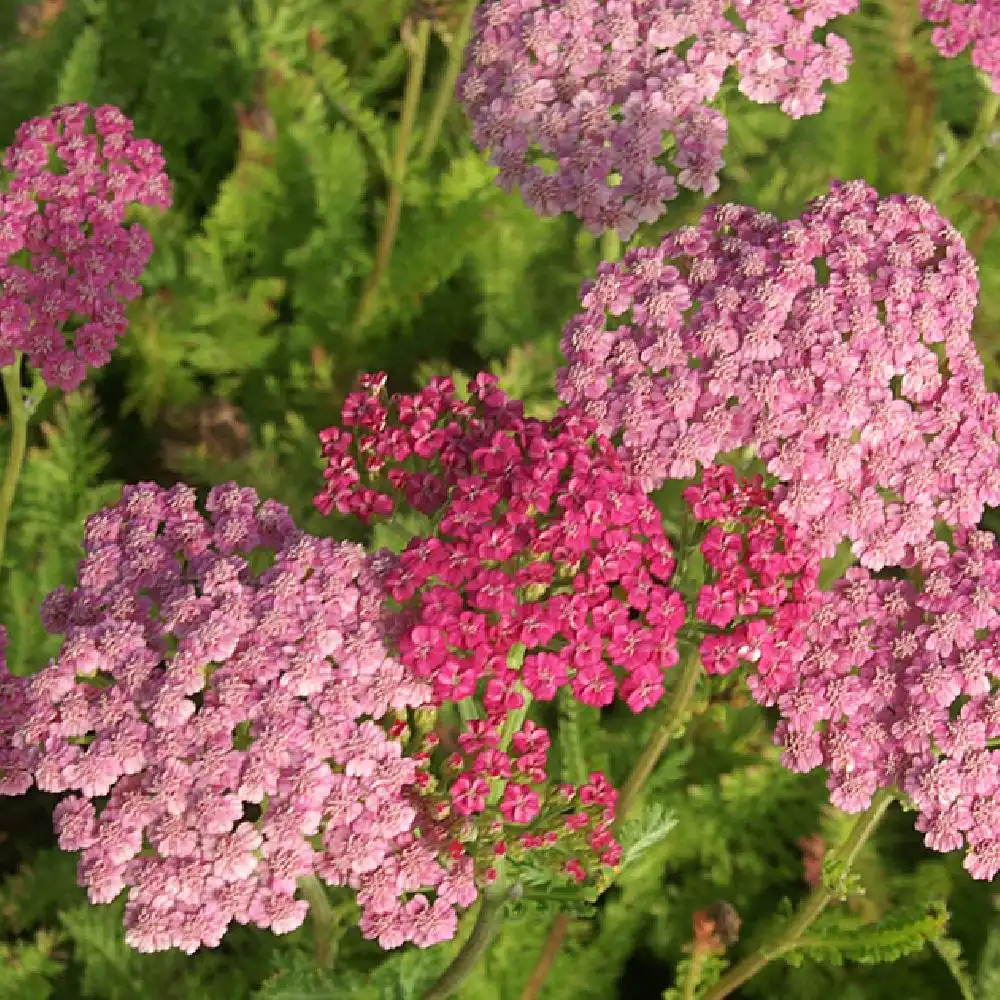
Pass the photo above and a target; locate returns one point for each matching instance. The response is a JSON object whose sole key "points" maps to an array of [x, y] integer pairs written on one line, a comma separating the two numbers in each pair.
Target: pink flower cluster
{"points": [[15, 759], [893, 684], [836, 344], [574, 97], [975, 23], [214, 714], [548, 567], [763, 579], [68, 262]]}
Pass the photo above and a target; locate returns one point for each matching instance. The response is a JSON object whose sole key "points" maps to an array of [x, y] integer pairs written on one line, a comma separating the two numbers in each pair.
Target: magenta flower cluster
{"points": [[836, 344], [213, 716], [762, 579], [974, 23], [892, 684], [545, 550], [68, 261], [574, 98]]}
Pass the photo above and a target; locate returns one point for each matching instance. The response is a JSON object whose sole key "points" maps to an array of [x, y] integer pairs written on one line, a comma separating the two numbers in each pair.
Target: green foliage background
{"points": [[279, 119]]}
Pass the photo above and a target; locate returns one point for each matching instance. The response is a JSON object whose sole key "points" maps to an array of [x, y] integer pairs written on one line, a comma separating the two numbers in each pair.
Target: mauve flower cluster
{"points": [[836, 344], [574, 97], [547, 566], [975, 23], [893, 684], [763, 579], [66, 255], [214, 714], [15, 760]]}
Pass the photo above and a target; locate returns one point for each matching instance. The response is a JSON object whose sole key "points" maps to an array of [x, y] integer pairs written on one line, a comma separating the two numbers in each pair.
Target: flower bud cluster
{"points": [[496, 803], [836, 344], [68, 261], [893, 684], [214, 715], [574, 98]]}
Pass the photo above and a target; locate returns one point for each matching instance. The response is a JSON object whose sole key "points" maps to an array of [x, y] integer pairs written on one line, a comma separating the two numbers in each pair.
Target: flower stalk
{"points": [[790, 936], [394, 204], [985, 128], [18, 415], [488, 920], [445, 96], [676, 710]]}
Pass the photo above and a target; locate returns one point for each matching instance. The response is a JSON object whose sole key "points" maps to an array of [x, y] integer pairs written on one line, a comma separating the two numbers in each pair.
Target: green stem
{"points": [[788, 939], [11, 376], [611, 245], [394, 204], [693, 974], [323, 919], [976, 143], [574, 769], [446, 88], [677, 708], [488, 922]]}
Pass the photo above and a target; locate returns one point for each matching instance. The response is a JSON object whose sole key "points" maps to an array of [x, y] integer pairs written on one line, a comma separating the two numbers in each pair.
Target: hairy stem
{"points": [[18, 442], [394, 204], [611, 245], [556, 936], [446, 88], [677, 708], [789, 937], [574, 769], [693, 974], [488, 921], [976, 143], [324, 919]]}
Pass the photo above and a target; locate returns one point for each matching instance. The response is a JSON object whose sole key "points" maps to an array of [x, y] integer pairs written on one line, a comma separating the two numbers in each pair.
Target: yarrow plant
{"points": [[603, 108], [547, 568], [836, 345], [241, 714], [68, 261]]}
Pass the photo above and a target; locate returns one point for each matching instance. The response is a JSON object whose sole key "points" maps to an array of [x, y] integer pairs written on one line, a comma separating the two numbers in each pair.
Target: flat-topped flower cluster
{"points": [[837, 345], [68, 261], [574, 99]]}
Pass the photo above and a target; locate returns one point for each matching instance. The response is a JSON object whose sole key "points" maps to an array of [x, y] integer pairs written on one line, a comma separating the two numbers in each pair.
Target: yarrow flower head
{"points": [[215, 716], [548, 566], [68, 261], [544, 568], [895, 686], [574, 97], [974, 23], [762, 579], [837, 345]]}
